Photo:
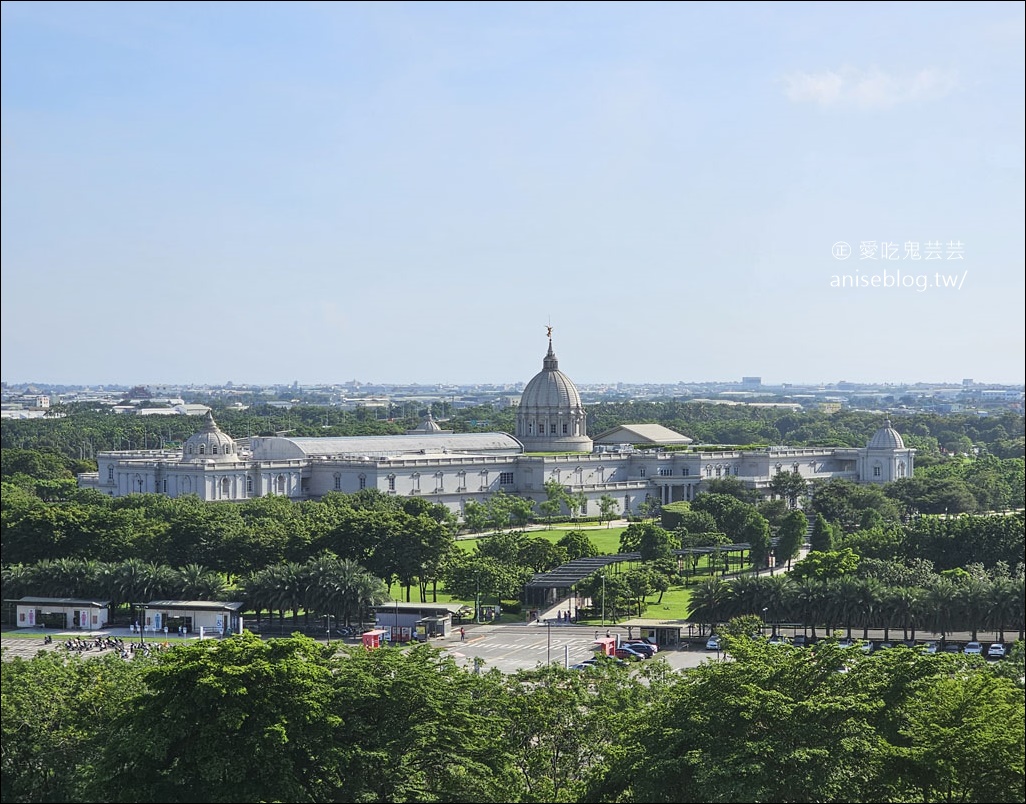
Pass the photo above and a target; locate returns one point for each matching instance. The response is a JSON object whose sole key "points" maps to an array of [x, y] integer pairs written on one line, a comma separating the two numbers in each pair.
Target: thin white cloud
{"points": [[870, 89]]}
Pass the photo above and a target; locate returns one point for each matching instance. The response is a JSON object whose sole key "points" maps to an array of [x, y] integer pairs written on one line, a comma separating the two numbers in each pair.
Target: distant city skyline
{"points": [[158, 389], [411, 192]]}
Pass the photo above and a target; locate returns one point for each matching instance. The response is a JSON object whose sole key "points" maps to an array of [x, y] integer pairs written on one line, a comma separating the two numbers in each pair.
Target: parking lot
{"points": [[506, 647]]}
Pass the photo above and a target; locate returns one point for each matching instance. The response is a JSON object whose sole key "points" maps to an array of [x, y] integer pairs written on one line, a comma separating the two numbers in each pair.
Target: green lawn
{"points": [[606, 539]]}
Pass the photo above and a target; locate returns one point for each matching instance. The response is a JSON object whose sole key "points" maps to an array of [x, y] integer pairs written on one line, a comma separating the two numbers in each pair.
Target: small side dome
{"points": [[429, 425], [886, 438], [209, 444]]}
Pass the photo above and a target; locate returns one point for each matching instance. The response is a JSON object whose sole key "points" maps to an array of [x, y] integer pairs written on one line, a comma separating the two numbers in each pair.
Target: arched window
{"points": [[110, 472], [202, 450], [279, 484], [213, 449], [363, 481], [226, 488], [901, 468]]}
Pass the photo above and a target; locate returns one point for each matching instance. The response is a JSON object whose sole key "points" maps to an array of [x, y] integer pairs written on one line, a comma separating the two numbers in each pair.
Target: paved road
{"points": [[522, 647], [506, 647]]}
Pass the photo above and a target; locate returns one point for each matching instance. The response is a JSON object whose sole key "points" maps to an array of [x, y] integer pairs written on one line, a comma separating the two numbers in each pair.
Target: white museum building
{"points": [[551, 444]]}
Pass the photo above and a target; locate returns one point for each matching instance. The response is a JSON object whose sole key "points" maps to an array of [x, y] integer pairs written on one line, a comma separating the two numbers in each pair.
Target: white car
{"points": [[713, 643], [996, 651], [973, 649]]}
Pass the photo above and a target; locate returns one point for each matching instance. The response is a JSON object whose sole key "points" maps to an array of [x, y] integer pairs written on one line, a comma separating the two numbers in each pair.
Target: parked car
{"points": [[929, 647], [640, 641], [643, 648], [626, 653], [778, 639], [973, 649], [713, 643], [800, 641], [845, 643], [598, 661], [952, 647], [885, 645], [996, 651]]}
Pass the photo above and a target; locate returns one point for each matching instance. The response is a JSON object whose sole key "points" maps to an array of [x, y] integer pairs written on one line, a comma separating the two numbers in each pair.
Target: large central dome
{"points": [[551, 417], [550, 387]]}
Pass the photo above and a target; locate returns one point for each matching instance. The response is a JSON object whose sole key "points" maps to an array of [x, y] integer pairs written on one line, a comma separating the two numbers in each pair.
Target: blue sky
{"points": [[410, 192]]}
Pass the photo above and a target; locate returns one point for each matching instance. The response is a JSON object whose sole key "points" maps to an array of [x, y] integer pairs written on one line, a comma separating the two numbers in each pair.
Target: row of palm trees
{"points": [[122, 583], [324, 585], [851, 602]]}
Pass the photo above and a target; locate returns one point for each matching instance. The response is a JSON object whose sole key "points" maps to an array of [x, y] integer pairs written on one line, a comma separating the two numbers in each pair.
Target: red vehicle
{"points": [[605, 646]]}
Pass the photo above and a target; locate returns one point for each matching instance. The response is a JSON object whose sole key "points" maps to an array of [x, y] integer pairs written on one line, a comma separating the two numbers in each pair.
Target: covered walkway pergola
{"points": [[545, 589]]}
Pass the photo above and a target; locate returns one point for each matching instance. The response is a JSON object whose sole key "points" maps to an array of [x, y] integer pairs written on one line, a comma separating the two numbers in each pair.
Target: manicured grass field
{"points": [[606, 539]]}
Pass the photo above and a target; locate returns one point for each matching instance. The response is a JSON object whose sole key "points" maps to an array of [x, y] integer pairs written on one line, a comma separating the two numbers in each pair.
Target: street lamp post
{"points": [[603, 598], [548, 643], [329, 629], [763, 630]]}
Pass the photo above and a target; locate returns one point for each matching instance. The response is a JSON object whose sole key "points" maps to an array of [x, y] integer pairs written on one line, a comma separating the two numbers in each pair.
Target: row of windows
{"points": [[552, 429], [213, 449], [710, 471], [505, 479]]}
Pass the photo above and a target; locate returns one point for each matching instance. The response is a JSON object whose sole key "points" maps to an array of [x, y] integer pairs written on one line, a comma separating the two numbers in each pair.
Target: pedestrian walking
{"points": [[463, 635]]}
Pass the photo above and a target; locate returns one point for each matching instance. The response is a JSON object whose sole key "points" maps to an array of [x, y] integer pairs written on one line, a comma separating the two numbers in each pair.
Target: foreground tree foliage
{"points": [[291, 720]]}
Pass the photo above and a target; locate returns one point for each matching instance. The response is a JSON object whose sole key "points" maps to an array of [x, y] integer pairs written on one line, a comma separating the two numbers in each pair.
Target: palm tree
{"points": [[288, 586], [871, 593], [939, 606], [810, 597], [844, 601], [15, 581], [65, 577], [258, 592], [744, 595], [974, 604], [776, 599], [900, 605], [707, 602], [134, 580], [1003, 603], [198, 583]]}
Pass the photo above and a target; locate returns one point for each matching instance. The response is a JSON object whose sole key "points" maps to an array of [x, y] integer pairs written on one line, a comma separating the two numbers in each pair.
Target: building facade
{"points": [[551, 444]]}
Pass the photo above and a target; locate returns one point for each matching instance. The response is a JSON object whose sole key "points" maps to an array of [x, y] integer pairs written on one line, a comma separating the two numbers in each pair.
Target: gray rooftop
{"points": [[277, 448]]}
